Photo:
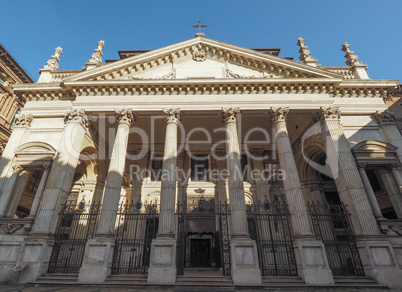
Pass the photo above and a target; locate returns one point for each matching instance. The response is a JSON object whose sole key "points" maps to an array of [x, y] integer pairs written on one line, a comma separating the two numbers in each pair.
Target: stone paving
{"points": [[75, 288]]}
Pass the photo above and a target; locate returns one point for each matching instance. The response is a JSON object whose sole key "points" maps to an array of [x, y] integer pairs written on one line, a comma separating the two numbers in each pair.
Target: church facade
{"points": [[203, 161]]}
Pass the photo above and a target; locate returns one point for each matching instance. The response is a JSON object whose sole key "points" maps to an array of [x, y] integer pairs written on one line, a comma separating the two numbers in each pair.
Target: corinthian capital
{"points": [[78, 116], [230, 115], [172, 115], [22, 120], [125, 116], [279, 114], [17, 168], [331, 113], [385, 118]]}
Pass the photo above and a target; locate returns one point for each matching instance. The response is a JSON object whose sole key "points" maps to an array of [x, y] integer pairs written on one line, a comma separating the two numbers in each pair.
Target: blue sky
{"points": [[31, 30]]}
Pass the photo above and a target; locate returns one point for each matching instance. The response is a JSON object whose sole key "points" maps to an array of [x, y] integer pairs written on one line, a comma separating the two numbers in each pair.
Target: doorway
{"points": [[200, 253]]}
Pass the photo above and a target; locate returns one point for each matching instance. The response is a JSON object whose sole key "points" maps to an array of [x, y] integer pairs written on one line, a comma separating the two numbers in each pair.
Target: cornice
{"points": [[334, 87]]}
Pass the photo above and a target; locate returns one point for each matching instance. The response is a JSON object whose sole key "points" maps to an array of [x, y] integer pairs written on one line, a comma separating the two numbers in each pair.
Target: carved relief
{"points": [[22, 120], [386, 118], [231, 74], [230, 115], [17, 168], [172, 115], [170, 75], [199, 53], [10, 228]]}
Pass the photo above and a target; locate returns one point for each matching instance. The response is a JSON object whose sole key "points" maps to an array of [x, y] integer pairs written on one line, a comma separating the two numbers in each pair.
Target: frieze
{"points": [[386, 118], [23, 120], [10, 228]]}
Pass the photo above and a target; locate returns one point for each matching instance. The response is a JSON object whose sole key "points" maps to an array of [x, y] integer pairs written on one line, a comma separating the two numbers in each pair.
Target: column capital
{"points": [[17, 168], [276, 115], [125, 116], [386, 117], [47, 165], [23, 120], [393, 166], [172, 115], [361, 165], [330, 113], [230, 115], [77, 116]]}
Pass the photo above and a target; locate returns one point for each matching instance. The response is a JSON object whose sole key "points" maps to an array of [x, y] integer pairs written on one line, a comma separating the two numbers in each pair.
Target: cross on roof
{"points": [[200, 26]]}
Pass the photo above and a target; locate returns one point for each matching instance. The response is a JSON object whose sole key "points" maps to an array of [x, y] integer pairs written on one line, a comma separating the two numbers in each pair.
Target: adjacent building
{"points": [[10, 73], [203, 163]]}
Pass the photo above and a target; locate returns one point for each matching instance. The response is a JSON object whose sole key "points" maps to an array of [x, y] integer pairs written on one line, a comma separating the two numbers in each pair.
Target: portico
{"points": [[167, 138]]}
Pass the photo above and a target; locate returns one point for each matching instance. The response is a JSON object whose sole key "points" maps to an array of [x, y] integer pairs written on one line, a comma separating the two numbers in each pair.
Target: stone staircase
{"points": [[126, 280], [283, 282], [203, 278], [358, 282], [57, 279]]}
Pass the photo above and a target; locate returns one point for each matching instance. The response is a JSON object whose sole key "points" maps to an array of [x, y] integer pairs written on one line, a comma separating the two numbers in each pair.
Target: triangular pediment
{"points": [[202, 58]]}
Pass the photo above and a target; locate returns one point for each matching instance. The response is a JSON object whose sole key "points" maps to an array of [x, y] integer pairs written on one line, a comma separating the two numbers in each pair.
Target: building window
{"points": [[199, 167], [156, 171], [244, 167]]}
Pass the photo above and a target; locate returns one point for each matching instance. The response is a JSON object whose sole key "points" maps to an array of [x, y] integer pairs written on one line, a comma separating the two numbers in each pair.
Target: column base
{"points": [[244, 261], [312, 261], [96, 264], [380, 263], [162, 267], [36, 252]]}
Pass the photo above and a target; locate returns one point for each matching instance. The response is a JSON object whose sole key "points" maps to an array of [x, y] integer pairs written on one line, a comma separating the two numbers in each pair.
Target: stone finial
{"points": [[53, 63], [96, 58], [305, 55], [359, 69]]}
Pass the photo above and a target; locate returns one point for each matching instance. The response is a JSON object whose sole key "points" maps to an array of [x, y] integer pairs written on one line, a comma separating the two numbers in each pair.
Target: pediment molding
{"points": [[199, 49]]}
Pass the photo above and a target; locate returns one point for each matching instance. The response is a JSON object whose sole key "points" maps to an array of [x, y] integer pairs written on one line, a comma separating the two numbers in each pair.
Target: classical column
{"points": [[258, 174], [17, 193], [235, 183], [313, 272], [392, 188], [114, 178], [8, 192], [162, 268], [343, 167], [391, 132], [62, 173], [397, 176], [99, 250], [39, 191], [369, 190], [293, 190], [243, 250]]}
